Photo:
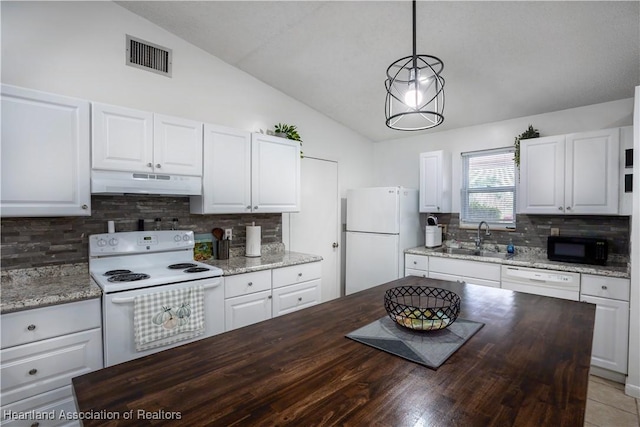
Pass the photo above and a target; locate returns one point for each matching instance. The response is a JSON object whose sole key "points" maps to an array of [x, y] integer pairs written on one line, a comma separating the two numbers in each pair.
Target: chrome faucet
{"points": [[479, 237]]}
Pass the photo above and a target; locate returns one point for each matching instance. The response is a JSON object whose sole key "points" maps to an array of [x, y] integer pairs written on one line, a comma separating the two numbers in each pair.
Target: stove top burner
{"points": [[196, 269], [114, 272], [128, 277], [182, 266]]}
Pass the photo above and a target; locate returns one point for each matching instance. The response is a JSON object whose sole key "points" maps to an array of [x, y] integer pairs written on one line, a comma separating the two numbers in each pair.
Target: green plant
{"points": [[290, 131], [529, 133]]}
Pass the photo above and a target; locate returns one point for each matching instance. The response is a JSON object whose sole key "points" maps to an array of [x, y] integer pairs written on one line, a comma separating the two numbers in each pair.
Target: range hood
{"points": [[116, 182]]}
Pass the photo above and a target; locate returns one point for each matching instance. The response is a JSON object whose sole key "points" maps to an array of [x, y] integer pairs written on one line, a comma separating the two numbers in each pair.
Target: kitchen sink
{"points": [[475, 252]]}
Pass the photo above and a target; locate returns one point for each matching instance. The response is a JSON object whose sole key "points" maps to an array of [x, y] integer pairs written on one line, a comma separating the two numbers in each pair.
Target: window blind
{"points": [[488, 190]]}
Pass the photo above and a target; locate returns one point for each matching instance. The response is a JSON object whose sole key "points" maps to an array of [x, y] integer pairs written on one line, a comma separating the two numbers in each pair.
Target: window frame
{"points": [[465, 192]]}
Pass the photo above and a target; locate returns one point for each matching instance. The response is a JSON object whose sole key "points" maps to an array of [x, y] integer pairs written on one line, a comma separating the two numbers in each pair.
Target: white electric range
{"points": [[129, 264]]}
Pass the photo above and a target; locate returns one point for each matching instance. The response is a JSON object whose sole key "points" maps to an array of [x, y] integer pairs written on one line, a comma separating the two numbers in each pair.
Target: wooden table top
{"points": [[528, 366]]}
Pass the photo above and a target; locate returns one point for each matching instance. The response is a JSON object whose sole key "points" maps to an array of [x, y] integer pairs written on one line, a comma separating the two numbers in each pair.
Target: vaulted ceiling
{"points": [[502, 60]]}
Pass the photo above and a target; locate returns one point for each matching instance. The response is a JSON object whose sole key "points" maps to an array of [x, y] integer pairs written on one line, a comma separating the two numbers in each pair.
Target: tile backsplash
{"points": [[35, 242], [532, 230]]}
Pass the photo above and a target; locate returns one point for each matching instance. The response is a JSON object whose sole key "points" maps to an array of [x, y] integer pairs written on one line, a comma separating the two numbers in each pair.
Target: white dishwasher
{"points": [[550, 283]]}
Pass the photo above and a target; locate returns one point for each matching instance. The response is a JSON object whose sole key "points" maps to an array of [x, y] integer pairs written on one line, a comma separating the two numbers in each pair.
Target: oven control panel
{"points": [[140, 242]]}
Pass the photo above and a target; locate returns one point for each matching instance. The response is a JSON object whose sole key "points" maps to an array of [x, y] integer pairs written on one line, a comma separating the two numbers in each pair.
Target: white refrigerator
{"points": [[381, 223]]}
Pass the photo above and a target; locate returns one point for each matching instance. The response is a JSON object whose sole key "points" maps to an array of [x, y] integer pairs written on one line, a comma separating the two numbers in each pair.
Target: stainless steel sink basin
{"points": [[474, 252]]}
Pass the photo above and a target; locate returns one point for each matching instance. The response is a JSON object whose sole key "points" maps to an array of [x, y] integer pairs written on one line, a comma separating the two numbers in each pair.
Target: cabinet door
{"points": [[275, 174], [435, 177], [226, 179], [246, 310], [610, 334], [177, 146], [542, 164], [45, 154], [591, 178], [122, 139]]}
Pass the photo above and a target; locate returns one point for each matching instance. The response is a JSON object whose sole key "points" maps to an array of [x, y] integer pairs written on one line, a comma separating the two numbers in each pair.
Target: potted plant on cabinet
{"points": [[288, 131], [529, 133]]}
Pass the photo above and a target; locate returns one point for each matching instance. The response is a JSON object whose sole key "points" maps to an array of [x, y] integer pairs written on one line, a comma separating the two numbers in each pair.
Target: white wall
{"points": [[396, 161], [78, 49]]}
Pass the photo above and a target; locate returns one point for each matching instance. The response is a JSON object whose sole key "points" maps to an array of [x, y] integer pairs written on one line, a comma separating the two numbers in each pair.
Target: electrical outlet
{"points": [[555, 231], [227, 233]]}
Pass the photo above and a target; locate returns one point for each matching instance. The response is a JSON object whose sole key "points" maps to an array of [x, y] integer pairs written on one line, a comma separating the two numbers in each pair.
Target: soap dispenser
{"points": [[510, 248]]}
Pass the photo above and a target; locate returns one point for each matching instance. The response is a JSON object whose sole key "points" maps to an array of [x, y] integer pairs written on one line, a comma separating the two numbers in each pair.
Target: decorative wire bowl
{"points": [[422, 308]]}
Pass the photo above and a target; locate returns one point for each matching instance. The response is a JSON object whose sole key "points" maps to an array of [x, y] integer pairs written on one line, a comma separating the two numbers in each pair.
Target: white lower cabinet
{"points": [[246, 310], [472, 272], [253, 297], [42, 350], [247, 299], [611, 331], [296, 287], [416, 265]]}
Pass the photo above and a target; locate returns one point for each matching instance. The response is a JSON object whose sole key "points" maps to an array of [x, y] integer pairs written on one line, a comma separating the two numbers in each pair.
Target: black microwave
{"points": [[583, 250]]}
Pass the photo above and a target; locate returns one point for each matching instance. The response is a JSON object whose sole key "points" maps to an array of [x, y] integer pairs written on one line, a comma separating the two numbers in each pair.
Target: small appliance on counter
{"points": [[432, 233], [582, 250], [252, 247]]}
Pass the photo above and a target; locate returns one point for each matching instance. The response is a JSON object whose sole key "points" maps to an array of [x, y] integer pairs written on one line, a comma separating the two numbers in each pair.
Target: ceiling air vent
{"points": [[148, 56]]}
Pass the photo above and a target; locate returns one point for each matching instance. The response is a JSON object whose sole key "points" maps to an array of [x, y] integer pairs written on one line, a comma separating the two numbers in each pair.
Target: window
{"points": [[488, 190]]}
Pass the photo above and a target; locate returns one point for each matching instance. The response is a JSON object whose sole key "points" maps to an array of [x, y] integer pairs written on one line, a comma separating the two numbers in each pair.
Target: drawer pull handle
{"points": [[36, 424], [299, 298], [299, 274], [604, 287], [415, 262], [33, 371], [250, 283], [31, 327]]}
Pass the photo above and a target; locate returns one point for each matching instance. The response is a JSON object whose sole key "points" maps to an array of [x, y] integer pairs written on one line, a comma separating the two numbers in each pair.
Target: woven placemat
{"points": [[428, 348]]}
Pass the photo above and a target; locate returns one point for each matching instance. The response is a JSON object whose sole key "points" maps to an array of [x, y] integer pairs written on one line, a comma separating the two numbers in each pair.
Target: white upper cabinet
{"points": [[177, 147], [131, 140], [245, 172], [542, 168], [45, 154], [570, 174], [226, 179], [275, 174], [435, 182]]}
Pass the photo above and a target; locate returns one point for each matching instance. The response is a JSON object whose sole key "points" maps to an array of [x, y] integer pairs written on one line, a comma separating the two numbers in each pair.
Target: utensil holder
{"points": [[223, 249]]}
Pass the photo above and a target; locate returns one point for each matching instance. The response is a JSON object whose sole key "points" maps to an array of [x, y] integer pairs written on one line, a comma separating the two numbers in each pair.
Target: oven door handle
{"points": [[131, 299]]}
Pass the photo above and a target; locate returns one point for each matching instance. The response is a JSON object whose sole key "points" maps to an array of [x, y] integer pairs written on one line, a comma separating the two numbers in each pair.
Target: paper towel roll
{"points": [[253, 240]]}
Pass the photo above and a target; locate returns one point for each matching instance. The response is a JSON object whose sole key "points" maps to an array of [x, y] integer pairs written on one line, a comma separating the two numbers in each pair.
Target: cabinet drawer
{"points": [[295, 297], [416, 262], [296, 274], [53, 402], [247, 283], [605, 287], [42, 323], [414, 272], [480, 270], [34, 368]]}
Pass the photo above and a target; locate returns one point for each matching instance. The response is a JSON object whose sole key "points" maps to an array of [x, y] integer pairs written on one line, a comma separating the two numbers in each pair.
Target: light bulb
{"points": [[413, 97]]}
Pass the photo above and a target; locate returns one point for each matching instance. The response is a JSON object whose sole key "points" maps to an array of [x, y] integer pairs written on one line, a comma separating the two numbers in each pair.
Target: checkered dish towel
{"points": [[167, 317]]}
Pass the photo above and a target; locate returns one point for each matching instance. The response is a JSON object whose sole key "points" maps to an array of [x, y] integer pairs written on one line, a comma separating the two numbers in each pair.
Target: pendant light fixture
{"points": [[415, 90]]}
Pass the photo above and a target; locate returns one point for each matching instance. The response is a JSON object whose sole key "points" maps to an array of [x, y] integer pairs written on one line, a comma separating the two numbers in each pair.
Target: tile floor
{"points": [[608, 406]]}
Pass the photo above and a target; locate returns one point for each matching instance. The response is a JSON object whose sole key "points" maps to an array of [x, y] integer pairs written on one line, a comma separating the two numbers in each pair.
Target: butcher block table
{"points": [[528, 366]]}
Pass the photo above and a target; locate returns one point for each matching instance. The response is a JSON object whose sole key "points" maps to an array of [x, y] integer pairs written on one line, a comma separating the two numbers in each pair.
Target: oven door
{"points": [[118, 327]]}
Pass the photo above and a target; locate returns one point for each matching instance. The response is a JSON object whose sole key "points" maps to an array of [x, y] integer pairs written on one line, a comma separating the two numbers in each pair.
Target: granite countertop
{"points": [[618, 267], [241, 264], [28, 288]]}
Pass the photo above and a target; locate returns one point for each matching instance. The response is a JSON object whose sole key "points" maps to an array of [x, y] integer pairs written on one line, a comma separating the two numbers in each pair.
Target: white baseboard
{"points": [[607, 374], [632, 390]]}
